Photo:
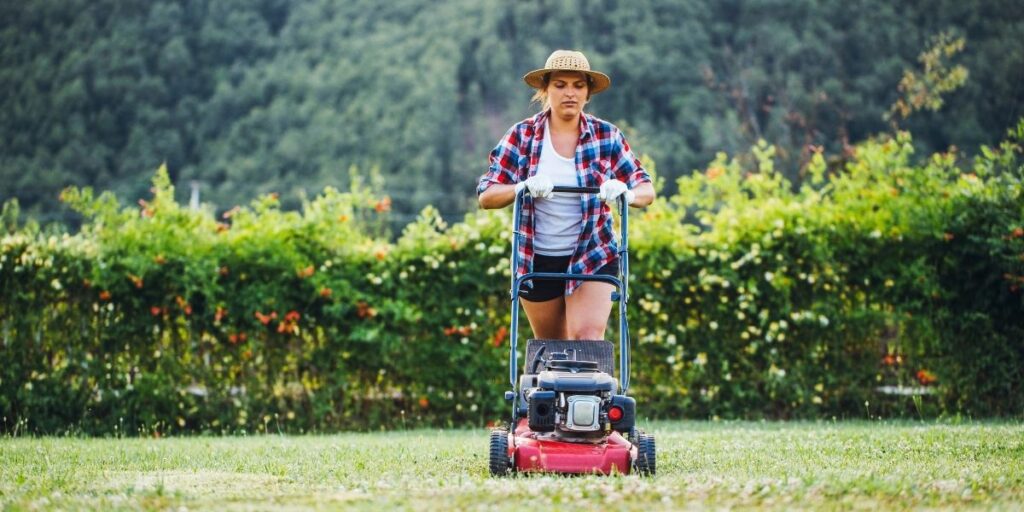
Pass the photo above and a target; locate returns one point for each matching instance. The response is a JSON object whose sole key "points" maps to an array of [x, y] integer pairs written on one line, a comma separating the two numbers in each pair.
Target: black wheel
{"points": [[501, 463], [646, 454]]}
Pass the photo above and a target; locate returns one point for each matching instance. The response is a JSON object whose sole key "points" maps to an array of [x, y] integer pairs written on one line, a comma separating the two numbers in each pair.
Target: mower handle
{"points": [[577, 190], [621, 282]]}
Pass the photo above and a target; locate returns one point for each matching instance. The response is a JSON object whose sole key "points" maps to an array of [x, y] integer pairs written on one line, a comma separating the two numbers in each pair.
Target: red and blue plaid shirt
{"points": [[602, 153]]}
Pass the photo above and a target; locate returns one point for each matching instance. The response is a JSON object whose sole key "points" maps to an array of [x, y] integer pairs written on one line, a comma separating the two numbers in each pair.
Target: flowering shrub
{"points": [[749, 298]]}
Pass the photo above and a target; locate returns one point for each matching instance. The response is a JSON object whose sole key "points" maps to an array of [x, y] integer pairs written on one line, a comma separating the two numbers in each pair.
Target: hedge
{"points": [[883, 285]]}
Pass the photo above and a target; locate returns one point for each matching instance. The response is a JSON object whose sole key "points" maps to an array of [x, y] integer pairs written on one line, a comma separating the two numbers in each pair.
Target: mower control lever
{"points": [[537, 359]]}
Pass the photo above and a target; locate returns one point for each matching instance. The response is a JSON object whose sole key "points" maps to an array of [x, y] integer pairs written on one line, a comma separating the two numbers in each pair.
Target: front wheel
{"points": [[500, 462], [646, 454]]}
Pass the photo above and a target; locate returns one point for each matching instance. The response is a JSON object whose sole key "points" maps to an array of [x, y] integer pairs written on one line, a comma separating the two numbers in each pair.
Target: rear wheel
{"points": [[646, 454], [501, 463]]}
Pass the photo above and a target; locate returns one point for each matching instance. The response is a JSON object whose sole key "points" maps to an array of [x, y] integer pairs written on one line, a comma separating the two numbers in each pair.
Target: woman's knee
{"points": [[547, 319], [587, 332]]}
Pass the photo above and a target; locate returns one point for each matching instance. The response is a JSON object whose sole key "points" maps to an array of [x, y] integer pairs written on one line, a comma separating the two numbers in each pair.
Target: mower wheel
{"points": [[646, 456], [501, 463]]}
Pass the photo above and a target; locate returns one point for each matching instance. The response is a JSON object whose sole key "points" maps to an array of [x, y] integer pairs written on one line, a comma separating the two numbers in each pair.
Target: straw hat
{"points": [[567, 60]]}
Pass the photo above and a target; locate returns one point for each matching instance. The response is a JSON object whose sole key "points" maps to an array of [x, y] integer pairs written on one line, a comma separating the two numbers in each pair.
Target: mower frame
{"points": [[621, 283]]}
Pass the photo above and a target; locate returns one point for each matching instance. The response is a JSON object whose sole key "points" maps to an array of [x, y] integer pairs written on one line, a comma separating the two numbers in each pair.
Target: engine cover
{"points": [[582, 382], [583, 413]]}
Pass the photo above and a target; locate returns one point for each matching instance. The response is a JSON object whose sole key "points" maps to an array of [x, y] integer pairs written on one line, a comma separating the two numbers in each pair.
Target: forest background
{"points": [[250, 97], [840, 230]]}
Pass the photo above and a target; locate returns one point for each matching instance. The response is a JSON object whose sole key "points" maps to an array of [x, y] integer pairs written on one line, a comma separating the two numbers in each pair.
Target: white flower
{"points": [[823, 320], [768, 276], [713, 325]]}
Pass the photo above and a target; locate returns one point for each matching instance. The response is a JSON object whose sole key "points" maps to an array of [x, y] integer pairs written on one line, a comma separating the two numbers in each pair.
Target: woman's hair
{"points": [[541, 96]]}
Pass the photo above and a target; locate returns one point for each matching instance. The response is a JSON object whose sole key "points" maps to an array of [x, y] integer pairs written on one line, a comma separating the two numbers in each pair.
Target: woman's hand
{"points": [[639, 197], [612, 189], [540, 187], [500, 196]]}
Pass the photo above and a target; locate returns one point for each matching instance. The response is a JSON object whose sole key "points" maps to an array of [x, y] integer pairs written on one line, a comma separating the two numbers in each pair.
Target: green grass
{"points": [[860, 465]]}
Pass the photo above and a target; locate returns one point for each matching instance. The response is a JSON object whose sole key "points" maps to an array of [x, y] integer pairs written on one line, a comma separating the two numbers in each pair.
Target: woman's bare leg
{"points": [[547, 319], [587, 310]]}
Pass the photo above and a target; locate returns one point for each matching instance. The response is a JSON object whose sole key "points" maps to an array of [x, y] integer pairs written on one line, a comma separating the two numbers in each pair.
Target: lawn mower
{"points": [[569, 413]]}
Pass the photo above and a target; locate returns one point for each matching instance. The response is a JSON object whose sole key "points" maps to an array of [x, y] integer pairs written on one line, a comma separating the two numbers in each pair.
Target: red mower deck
{"points": [[613, 454]]}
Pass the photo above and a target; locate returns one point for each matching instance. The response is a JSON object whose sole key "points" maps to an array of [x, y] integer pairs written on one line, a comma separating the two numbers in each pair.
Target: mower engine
{"points": [[575, 399]]}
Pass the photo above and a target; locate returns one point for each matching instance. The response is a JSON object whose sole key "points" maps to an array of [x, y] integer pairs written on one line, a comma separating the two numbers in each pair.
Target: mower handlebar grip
{"points": [[577, 190]]}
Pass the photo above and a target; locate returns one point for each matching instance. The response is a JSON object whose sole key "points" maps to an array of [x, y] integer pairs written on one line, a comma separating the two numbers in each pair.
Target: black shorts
{"points": [[547, 289]]}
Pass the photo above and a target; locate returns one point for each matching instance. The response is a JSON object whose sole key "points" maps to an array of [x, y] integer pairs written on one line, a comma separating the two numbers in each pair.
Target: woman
{"points": [[571, 233]]}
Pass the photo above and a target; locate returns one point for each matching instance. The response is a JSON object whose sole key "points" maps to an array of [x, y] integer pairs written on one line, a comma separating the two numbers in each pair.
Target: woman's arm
{"points": [[644, 195], [497, 196], [497, 187]]}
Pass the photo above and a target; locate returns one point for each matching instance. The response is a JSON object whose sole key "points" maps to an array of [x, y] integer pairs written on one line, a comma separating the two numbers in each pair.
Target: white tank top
{"points": [[559, 218]]}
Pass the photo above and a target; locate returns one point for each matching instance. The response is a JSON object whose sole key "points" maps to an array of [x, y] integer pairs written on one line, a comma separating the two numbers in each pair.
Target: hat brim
{"points": [[535, 78]]}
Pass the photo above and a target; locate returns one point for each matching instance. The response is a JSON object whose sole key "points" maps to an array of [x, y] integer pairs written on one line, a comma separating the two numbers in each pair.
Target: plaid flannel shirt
{"points": [[602, 153]]}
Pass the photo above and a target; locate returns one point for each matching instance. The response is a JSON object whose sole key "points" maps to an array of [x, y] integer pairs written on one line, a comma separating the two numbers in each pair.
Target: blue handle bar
{"points": [[621, 283]]}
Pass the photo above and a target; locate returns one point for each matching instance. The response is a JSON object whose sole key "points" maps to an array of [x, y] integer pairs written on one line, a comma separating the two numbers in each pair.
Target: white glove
{"points": [[539, 186], [612, 189]]}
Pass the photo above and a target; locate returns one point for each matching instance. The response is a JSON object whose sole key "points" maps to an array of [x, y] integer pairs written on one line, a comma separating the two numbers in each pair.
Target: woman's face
{"points": [[567, 93]]}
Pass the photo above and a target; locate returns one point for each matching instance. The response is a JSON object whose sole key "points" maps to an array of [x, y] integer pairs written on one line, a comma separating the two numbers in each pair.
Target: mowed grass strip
{"points": [[717, 465]]}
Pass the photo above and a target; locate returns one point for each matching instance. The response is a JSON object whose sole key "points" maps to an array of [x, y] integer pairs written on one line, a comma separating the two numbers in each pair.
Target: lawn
{"points": [[861, 465]]}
